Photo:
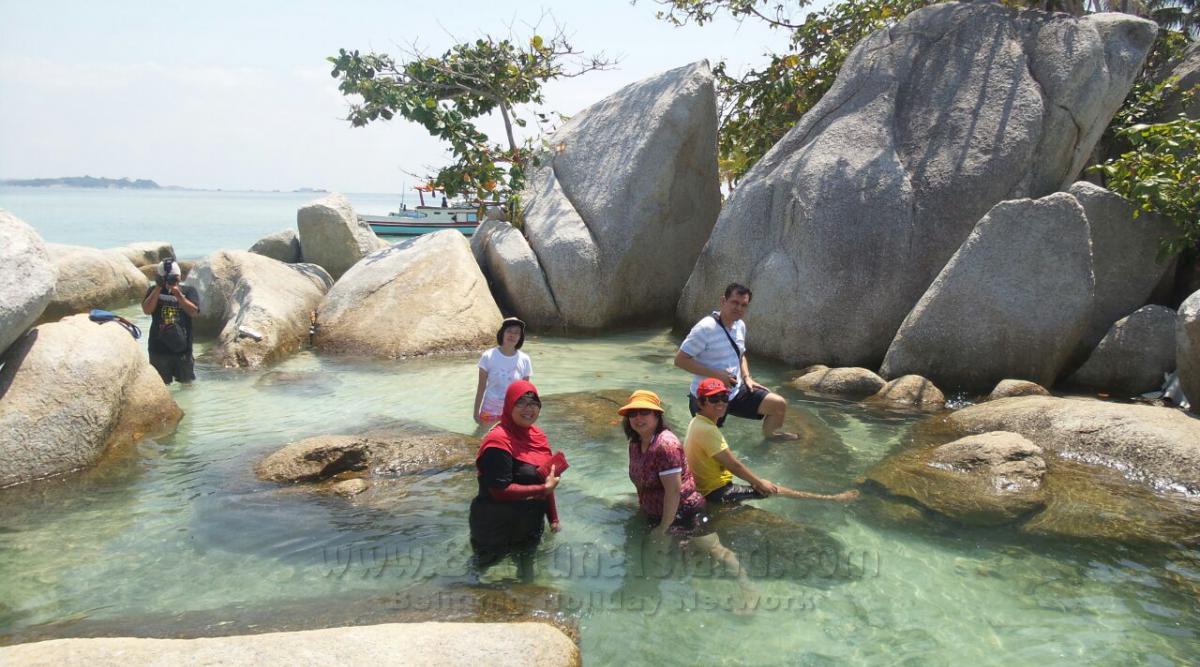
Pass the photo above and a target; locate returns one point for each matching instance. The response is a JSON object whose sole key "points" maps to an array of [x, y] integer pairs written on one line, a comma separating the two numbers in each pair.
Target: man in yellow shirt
{"points": [[714, 465]]}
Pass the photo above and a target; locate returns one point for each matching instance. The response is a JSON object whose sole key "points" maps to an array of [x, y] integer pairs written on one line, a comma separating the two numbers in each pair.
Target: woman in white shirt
{"points": [[499, 367]]}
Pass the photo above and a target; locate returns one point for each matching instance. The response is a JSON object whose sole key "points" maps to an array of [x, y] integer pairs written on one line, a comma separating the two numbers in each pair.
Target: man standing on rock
{"points": [[171, 307], [716, 348]]}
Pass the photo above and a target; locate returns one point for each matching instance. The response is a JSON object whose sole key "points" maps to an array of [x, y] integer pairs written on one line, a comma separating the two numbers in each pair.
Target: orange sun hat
{"points": [[642, 399]]}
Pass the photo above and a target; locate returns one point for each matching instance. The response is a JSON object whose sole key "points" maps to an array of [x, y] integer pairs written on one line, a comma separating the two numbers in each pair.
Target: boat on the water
{"points": [[424, 219]]}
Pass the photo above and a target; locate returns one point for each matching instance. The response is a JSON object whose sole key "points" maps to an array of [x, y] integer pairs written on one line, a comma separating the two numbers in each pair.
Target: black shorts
{"points": [[733, 493], [744, 405], [179, 367]]}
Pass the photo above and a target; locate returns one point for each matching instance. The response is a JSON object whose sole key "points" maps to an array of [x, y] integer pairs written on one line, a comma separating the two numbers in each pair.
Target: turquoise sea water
{"points": [[177, 537]]}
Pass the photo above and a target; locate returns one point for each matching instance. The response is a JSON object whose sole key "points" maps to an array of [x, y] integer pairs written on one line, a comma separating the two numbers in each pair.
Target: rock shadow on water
{"points": [[304, 383]]}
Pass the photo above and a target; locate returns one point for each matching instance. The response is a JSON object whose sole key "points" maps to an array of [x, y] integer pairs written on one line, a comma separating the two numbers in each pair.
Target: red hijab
{"points": [[528, 445]]}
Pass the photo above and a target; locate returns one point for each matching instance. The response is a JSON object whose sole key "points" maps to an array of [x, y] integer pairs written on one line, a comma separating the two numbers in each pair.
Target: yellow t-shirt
{"points": [[704, 441]]}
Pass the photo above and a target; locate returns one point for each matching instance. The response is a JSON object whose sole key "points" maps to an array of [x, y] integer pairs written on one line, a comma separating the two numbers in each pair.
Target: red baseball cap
{"points": [[711, 387]]}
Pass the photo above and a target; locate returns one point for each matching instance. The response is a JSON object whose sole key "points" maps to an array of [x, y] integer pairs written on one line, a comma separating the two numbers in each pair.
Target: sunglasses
{"points": [[525, 402], [719, 398], [642, 412]]}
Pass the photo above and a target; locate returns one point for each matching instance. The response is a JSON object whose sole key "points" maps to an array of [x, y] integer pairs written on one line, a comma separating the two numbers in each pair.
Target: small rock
{"points": [[349, 488], [852, 383], [1007, 388], [912, 391]]}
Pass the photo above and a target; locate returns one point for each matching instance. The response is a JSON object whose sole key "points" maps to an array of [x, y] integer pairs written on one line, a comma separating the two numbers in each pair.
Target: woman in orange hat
{"points": [[665, 487]]}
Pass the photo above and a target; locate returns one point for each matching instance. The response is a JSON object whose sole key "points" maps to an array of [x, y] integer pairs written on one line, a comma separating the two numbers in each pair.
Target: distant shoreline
{"points": [[120, 184]]}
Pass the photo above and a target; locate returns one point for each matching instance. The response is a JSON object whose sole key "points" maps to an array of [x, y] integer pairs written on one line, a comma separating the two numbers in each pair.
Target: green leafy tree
{"points": [[1161, 174], [448, 94]]}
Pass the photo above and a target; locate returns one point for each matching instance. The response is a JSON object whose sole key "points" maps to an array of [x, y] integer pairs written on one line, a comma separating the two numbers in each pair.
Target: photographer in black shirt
{"points": [[171, 307]]}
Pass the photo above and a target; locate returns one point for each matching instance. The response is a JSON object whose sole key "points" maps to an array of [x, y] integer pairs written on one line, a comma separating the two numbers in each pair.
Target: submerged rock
{"points": [[27, 278], [261, 308], [929, 125], [594, 413], [283, 246], [410, 643], [419, 296], [988, 479], [910, 391], [627, 178], [331, 235], [1014, 301], [72, 390], [1133, 356], [399, 450], [90, 278], [1009, 387], [851, 383], [1159, 446]]}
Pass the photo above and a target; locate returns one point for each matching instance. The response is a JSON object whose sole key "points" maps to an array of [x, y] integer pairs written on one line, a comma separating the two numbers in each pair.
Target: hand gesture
{"points": [[551, 481], [766, 488], [555, 527]]}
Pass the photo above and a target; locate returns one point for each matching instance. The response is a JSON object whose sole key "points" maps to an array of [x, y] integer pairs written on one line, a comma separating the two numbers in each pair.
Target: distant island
{"points": [[85, 182]]}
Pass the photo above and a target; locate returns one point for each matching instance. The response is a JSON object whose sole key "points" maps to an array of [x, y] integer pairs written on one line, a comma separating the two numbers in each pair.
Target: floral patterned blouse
{"points": [[664, 456]]}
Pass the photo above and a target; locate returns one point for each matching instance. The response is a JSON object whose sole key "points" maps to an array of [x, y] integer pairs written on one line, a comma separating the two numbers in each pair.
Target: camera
{"points": [[168, 278]]}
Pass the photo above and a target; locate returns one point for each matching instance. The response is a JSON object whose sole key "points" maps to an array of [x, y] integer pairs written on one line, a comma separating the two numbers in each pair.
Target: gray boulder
{"points": [[1009, 387], [146, 252], [419, 296], [852, 383], [1133, 356], [1012, 302], [282, 246], [1186, 72], [400, 450], [910, 391], [1124, 256], [617, 211], [260, 308], [91, 278], [988, 479], [451, 644], [27, 278], [73, 389], [514, 272], [1157, 446], [1187, 349], [332, 236], [842, 225]]}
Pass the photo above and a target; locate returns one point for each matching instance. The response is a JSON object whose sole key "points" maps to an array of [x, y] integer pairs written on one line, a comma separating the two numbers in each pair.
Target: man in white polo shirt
{"points": [[716, 347]]}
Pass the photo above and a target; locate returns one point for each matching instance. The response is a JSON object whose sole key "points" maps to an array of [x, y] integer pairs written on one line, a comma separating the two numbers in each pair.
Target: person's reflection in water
{"points": [[667, 495]]}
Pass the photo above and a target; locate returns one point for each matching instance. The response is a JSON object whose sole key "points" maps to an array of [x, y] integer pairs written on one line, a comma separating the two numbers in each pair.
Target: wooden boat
{"points": [[425, 219]]}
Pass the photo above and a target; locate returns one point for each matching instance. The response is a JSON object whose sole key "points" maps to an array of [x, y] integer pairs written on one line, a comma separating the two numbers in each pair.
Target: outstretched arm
{"points": [[727, 458]]}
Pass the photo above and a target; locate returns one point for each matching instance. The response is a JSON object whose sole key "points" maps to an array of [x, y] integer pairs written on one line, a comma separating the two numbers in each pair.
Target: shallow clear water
{"points": [[178, 538], [177, 533]]}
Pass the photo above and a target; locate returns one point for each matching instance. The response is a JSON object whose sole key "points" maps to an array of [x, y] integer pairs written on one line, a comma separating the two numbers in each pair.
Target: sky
{"points": [[238, 95]]}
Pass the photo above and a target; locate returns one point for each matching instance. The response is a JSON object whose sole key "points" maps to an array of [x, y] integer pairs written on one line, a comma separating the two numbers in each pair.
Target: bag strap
{"points": [[737, 350]]}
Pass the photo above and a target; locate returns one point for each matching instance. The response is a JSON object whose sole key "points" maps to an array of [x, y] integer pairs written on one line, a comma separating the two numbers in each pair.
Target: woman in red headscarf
{"points": [[517, 479]]}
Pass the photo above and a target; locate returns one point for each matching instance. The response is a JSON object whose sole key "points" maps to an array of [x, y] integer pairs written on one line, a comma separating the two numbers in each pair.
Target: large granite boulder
{"points": [[423, 295], [393, 451], [1187, 348], [146, 252], [1186, 72], [987, 479], [1124, 256], [1158, 446], [842, 225], [91, 278], [617, 210], [514, 273], [851, 383], [282, 246], [71, 390], [27, 278], [260, 308], [457, 644], [1012, 302], [1133, 356], [332, 236]]}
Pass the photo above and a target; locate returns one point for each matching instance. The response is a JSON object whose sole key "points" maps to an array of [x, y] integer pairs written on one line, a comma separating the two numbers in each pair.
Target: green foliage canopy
{"points": [[447, 94]]}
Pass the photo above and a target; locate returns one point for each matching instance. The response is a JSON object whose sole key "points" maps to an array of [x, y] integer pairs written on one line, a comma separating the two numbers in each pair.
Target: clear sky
{"points": [[237, 95]]}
